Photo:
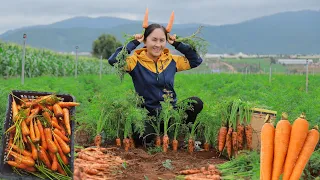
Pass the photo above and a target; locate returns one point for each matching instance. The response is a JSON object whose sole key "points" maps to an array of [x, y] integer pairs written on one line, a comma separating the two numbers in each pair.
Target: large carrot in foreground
{"points": [[298, 135], [307, 150], [222, 138], [267, 141], [281, 144]]}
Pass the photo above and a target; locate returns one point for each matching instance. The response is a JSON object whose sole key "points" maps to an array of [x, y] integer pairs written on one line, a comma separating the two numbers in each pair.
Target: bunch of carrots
{"points": [[235, 132], [39, 139], [286, 148]]}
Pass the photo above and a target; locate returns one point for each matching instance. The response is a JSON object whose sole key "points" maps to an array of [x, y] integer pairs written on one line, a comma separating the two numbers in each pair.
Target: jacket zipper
{"points": [[157, 71]]}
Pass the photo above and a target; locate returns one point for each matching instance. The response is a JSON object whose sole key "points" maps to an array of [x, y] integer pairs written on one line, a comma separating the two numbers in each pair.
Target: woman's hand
{"points": [[171, 38], [138, 37]]}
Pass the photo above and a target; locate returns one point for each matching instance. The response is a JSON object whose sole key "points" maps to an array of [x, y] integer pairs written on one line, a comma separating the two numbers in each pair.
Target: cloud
{"points": [[19, 13]]}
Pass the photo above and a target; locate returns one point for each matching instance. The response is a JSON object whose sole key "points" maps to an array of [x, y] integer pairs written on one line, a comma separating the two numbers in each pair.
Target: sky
{"points": [[20, 13]]}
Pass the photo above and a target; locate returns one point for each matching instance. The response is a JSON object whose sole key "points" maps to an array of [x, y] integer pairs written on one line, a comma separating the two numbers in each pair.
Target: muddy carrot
{"points": [[126, 144], [229, 142], [145, 19], [206, 146], [170, 23], [248, 132], [306, 152], [190, 145], [298, 135], [66, 117], [175, 145], [165, 143], [267, 148], [240, 136], [281, 144], [234, 142], [118, 142], [222, 136], [158, 141]]}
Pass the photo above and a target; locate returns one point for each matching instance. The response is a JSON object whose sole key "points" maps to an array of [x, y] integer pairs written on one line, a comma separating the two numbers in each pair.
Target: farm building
{"points": [[295, 61]]}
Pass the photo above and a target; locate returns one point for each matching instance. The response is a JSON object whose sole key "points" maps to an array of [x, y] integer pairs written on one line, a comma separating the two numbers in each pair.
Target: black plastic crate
{"points": [[6, 170]]}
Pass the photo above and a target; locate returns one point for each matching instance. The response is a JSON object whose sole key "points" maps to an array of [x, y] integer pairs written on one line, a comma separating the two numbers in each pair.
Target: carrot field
{"points": [[47, 71]]}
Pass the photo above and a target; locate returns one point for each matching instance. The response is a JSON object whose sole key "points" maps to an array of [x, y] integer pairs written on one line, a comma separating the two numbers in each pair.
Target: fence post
{"points": [[100, 66], [76, 69], [23, 58], [307, 76]]}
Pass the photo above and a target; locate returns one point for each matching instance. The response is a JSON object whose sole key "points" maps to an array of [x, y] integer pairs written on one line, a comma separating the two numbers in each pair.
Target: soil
{"points": [[142, 165]]}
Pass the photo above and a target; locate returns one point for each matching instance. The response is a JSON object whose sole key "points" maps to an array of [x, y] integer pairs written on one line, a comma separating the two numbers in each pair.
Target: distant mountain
{"points": [[282, 33]]}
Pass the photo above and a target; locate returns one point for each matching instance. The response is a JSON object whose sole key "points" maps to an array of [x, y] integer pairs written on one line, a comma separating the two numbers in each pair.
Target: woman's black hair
{"points": [[151, 28]]}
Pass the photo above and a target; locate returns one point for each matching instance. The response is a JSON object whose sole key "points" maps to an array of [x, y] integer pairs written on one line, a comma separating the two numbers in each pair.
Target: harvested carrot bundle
{"points": [[298, 135], [281, 144], [267, 148]]}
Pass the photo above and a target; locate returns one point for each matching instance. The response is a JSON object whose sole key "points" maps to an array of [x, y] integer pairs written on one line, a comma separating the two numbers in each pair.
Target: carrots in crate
{"points": [[43, 136]]}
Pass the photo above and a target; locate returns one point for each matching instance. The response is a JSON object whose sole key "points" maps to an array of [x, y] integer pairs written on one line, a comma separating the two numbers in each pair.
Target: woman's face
{"points": [[155, 43]]}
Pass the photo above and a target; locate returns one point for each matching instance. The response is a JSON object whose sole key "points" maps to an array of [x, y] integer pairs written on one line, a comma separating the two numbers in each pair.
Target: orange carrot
{"points": [[55, 125], [222, 136], [32, 133], [158, 141], [118, 142], [229, 142], [234, 142], [21, 165], [267, 148], [281, 144], [24, 152], [68, 104], [57, 111], [33, 150], [42, 136], [27, 160], [165, 143], [59, 133], [206, 146], [44, 158], [15, 110], [66, 117], [190, 145], [54, 165], [248, 132], [60, 170], [34, 112], [64, 146], [298, 135], [126, 144], [175, 145], [51, 146], [54, 119], [145, 20], [97, 141], [36, 131], [306, 152], [62, 155], [50, 108], [240, 136], [47, 116], [170, 23], [24, 128]]}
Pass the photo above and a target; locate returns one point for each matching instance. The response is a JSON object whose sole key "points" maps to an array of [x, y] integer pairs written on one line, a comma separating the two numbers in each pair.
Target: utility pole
{"points": [[307, 76], [76, 69]]}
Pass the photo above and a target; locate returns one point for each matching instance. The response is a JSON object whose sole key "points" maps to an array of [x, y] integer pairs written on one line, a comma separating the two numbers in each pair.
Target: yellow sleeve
{"points": [[182, 63], [131, 63]]}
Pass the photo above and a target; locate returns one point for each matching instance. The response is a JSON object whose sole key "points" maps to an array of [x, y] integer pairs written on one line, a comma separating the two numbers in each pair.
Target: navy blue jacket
{"points": [[151, 78]]}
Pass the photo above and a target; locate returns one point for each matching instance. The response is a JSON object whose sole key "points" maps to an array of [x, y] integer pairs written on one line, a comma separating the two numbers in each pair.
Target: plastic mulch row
{"points": [[6, 171]]}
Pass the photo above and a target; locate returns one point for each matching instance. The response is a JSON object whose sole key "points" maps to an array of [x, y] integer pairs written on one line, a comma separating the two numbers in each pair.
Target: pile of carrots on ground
{"points": [[286, 148], [96, 163], [209, 173], [39, 137]]}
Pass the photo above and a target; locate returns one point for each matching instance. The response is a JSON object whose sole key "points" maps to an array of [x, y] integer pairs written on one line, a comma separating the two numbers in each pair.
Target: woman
{"points": [[153, 68]]}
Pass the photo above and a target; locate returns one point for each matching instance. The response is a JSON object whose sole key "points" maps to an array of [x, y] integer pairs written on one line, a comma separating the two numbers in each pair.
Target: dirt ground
{"points": [[166, 166]]}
